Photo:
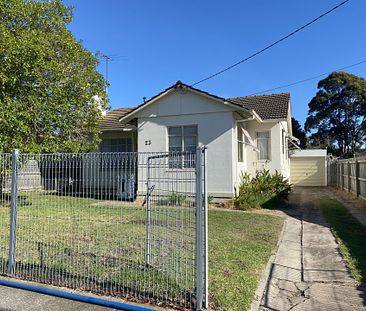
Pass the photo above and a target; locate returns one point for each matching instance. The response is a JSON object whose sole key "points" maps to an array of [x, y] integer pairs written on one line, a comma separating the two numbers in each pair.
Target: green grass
{"points": [[349, 233], [239, 247], [84, 243], [95, 245]]}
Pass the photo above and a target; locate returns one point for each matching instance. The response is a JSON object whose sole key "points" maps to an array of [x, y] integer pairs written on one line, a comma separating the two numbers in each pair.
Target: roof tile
{"points": [[267, 106], [110, 122]]}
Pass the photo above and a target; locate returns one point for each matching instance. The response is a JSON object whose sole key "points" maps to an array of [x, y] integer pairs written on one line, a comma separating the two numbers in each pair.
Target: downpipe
{"points": [[72, 296]]}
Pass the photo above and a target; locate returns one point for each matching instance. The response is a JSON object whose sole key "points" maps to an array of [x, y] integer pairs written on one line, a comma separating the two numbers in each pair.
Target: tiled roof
{"points": [[111, 122], [267, 106]]}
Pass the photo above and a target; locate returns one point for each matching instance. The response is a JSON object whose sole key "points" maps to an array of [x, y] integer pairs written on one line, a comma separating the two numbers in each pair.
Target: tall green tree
{"points": [[337, 113], [298, 132], [51, 95]]}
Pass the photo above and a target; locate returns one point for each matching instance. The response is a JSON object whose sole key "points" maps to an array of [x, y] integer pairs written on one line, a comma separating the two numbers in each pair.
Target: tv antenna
{"points": [[107, 59]]}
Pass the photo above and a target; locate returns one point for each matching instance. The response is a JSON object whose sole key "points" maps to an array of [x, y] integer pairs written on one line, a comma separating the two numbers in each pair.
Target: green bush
{"points": [[176, 198], [210, 199], [263, 190]]}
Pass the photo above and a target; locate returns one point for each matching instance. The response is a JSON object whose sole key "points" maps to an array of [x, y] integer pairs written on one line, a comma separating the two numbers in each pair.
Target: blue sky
{"points": [[164, 41]]}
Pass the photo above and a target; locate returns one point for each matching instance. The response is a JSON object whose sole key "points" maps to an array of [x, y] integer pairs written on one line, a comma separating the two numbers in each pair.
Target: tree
{"points": [[298, 132], [337, 113], [51, 95]]}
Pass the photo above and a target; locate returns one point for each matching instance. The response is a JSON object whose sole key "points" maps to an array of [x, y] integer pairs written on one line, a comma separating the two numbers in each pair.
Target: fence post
{"points": [[338, 175], [13, 211], [205, 191], [349, 175], [342, 175], [148, 217], [199, 250], [357, 180]]}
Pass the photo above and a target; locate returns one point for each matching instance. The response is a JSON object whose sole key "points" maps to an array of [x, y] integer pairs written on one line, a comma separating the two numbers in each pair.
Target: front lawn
{"points": [[349, 233], [240, 244], [99, 246]]}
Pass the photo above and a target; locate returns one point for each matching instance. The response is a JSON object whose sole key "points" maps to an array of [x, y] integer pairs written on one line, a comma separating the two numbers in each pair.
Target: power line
{"points": [[271, 45], [307, 79]]}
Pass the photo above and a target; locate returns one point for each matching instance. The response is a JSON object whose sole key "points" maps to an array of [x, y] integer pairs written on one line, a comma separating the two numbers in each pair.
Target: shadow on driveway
{"points": [[308, 272]]}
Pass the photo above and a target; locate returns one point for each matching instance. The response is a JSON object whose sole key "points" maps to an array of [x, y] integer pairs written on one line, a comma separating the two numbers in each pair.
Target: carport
{"points": [[308, 167]]}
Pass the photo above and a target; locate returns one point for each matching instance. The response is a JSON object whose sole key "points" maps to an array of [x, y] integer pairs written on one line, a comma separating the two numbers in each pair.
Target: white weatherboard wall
{"points": [[309, 167], [215, 130]]}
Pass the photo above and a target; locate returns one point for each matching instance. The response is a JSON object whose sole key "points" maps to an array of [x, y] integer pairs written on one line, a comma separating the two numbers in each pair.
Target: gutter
{"points": [[72, 296]]}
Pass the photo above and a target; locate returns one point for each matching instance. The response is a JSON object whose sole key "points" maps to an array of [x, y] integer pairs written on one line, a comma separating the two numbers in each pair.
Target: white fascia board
{"points": [[312, 153], [222, 101], [143, 106]]}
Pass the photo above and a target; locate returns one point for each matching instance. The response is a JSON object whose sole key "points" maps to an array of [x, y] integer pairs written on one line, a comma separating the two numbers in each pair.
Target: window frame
{"points": [[181, 165], [240, 137], [268, 146], [111, 160], [129, 144], [285, 144]]}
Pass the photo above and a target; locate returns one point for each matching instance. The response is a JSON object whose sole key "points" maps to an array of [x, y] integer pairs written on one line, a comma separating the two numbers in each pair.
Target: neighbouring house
{"points": [[242, 134]]}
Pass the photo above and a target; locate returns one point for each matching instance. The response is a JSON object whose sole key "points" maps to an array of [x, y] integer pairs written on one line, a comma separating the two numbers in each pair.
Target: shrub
{"points": [[210, 199], [262, 190], [176, 198]]}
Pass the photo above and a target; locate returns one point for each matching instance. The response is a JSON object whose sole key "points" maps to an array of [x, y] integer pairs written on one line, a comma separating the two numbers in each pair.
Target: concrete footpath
{"points": [[308, 272]]}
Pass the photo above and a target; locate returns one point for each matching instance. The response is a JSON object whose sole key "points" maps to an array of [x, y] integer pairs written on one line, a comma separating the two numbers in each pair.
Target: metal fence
{"points": [[132, 225], [349, 175]]}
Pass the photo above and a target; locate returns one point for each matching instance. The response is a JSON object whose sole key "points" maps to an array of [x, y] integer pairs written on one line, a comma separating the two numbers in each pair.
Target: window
{"points": [[114, 145], [284, 144], [240, 144], [263, 145], [182, 139]]}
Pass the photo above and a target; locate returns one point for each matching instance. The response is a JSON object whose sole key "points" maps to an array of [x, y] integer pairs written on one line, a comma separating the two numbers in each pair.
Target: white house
{"points": [[242, 134]]}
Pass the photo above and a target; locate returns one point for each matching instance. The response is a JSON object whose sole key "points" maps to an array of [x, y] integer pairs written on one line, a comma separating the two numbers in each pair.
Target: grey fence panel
{"points": [[121, 224], [349, 175], [352, 177]]}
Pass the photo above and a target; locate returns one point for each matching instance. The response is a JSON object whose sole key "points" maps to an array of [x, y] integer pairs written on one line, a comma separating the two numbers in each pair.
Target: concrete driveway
{"points": [[308, 272]]}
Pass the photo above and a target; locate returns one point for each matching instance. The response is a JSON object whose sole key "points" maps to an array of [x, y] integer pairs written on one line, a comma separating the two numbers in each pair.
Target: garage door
{"points": [[308, 171]]}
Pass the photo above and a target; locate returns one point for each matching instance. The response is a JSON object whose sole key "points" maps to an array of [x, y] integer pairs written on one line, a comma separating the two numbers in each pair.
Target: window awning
{"points": [[248, 139], [293, 142]]}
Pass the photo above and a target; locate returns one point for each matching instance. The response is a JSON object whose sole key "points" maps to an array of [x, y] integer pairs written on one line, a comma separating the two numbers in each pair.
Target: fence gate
{"points": [[132, 225]]}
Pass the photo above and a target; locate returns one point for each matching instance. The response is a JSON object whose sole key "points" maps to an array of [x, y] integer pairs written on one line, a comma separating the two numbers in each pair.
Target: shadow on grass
{"points": [[269, 201], [275, 202], [97, 194], [350, 233], [351, 236]]}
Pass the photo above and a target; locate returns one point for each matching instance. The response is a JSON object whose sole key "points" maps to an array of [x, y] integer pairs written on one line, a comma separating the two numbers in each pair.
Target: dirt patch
{"points": [[111, 203], [352, 198]]}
